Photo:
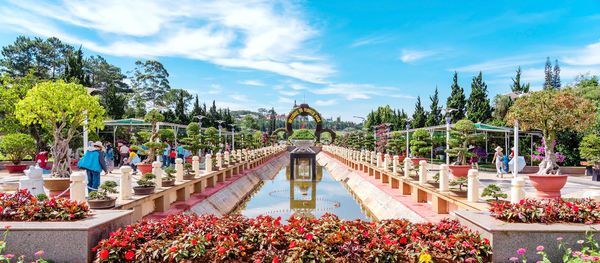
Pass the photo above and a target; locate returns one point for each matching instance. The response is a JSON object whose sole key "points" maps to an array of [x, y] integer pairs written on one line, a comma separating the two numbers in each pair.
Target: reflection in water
{"points": [[302, 196]]}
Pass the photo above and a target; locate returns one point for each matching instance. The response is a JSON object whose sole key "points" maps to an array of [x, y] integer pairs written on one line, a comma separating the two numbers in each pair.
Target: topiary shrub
{"points": [[463, 134], [302, 134], [17, 146], [420, 145]]}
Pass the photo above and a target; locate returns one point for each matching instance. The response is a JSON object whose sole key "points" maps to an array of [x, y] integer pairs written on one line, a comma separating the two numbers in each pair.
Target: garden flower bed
{"points": [[207, 238], [22, 206], [585, 211]]}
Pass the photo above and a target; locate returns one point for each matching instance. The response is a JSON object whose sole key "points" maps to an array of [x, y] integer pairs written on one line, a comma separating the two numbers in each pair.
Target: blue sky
{"points": [[344, 57]]}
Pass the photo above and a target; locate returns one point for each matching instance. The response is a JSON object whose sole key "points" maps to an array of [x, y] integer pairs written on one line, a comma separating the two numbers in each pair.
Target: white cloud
{"points": [[370, 40], [351, 91], [289, 93], [502, 64], [325, 102], [258, 34], [414, 55], [252, 82], [285, 100], [215, 89], [590, 55], [238, 97], [402, 96]]}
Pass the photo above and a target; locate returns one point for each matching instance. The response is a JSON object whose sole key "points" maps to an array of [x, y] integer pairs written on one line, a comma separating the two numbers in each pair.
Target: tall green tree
{"points": [[74, 69], [114, 102], [457, 100], [179, 100], [548, 75], [46, 58], [501, 105], [478, 104], [556, 75], [272, 120], [435, 113], [517, 87], [419, 115], [151, 81]]}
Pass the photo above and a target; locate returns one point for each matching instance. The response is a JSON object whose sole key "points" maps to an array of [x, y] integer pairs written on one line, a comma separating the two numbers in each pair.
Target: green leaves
{"points": [[17, 146], [421, 143], [589, 148]]}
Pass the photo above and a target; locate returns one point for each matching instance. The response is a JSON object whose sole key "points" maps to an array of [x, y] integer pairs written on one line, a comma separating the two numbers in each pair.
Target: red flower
{"points": [[208, 236], [173, 249], [522, 201], [129, 255], [292, 244], [403, 240], [275, 260], [575, 208], [194, 242], [104, 254], [221, 250], [309, 236], [301, 230]]}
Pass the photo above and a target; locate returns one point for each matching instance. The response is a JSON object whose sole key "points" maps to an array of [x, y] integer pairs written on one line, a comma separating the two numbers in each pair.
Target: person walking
{"points": [[181, 152], [124, 152], [110, 158], [94, 162], [499, 161]]}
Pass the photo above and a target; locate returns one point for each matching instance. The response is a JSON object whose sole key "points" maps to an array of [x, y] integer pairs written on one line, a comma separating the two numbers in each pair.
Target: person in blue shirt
{"points": [[110, 158], [165, 156], [181, 152], [93, 161]]}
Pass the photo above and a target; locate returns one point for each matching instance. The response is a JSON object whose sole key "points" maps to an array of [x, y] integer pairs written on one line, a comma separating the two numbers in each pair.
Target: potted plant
{"points": [[168, 179], [436, 180], [188, 175], [145, 185], [17, 146], [463, 134], [589, 149], [420, 145], [494, 192], [61, 108], [550, 112], [414, 172], [194, 142], [461, 182], [152, 145], [100, 199]]}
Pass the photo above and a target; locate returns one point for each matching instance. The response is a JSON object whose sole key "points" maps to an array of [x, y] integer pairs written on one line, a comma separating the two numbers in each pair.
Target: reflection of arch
{"points": [[277, 131]]}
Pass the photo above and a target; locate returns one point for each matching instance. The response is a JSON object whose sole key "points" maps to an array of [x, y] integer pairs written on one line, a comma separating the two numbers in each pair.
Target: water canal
{"points": [[282, 196]]}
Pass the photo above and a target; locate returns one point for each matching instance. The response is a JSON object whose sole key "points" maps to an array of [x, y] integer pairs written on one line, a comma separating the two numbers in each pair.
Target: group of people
{"points": [[501, 161]]}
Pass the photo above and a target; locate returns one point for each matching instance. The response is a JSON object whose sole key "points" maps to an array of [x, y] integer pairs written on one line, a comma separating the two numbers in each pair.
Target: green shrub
{"points": [[17, 146], [493, 191], [420, 145], [589, 148], [302, 134], [146, 181]]}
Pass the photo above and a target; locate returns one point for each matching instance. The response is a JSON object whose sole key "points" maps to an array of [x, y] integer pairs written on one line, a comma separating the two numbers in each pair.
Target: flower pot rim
{"points": [[547, 175], [87, 198]]}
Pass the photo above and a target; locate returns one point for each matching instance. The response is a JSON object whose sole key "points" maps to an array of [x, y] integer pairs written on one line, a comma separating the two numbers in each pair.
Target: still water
{"points": [[302, 196]]}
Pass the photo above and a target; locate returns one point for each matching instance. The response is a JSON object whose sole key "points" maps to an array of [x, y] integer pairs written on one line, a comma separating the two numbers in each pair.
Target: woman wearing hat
{"points": [[498, 159], [94, 162]]}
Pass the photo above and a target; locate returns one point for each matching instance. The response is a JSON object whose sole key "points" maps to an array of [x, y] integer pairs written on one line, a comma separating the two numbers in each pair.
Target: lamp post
{"points": [[448, 119], [407, 128], [220, 127], [232, 137], [200, 117], [375, 138], [363, 123]]}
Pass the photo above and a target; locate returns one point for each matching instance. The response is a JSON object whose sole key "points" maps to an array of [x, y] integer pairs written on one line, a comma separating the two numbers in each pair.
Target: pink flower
{"points": [[9, 256], [559, 238], [540, 248], [521, 251], [513, 259], [39, 253], [469, 259], [580, 241], [309, 236]]}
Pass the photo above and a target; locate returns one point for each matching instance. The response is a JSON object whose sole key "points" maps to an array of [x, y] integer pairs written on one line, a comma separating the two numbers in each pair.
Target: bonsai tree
{"points": [[460, 182], [420, 145], [17, 146], [187, 167], [396, 144], [195, 141], [493, 191], [463, 133], [169, 171], [589, 148], [212, 136], [60, 108], [302, 134], [151, 138], [146, 180], [104, 189], [551, 112]]}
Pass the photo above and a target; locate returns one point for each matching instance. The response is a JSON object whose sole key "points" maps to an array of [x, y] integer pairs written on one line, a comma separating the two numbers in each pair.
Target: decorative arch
{"points": [[305, 110]]}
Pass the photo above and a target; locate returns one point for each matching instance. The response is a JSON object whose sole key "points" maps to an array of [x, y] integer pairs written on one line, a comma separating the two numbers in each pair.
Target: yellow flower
{"points": [[425, 258]]}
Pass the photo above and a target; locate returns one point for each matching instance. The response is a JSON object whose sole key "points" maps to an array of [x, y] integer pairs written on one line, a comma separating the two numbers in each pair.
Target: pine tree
{"points": [[556, 76], [419, 116], [548, 75], [478, 104], [517, 87], [456, 100], [435, 114]]}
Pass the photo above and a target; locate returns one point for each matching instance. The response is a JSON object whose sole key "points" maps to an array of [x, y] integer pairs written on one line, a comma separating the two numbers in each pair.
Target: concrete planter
{"points": [[416, 161], [14, 169], [506, 238], [64, 241]]}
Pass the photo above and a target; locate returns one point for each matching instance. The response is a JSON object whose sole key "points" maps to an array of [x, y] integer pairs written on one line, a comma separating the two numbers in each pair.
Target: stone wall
{"points": [[381, 205]]}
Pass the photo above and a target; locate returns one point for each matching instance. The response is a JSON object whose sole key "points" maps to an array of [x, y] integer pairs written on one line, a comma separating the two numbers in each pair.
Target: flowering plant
{"points": [[22, 206], [207, 238], [548, 211], [540, 152], [589, 252], [21, 259]]}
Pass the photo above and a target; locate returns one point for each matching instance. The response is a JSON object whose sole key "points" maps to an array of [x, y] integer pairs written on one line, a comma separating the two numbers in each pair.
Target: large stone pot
{"points": [[416, 161], [144, 167], [167, 183], [57, 186], [13, 169], [460, 170], [141, 190], [548, 186]]}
